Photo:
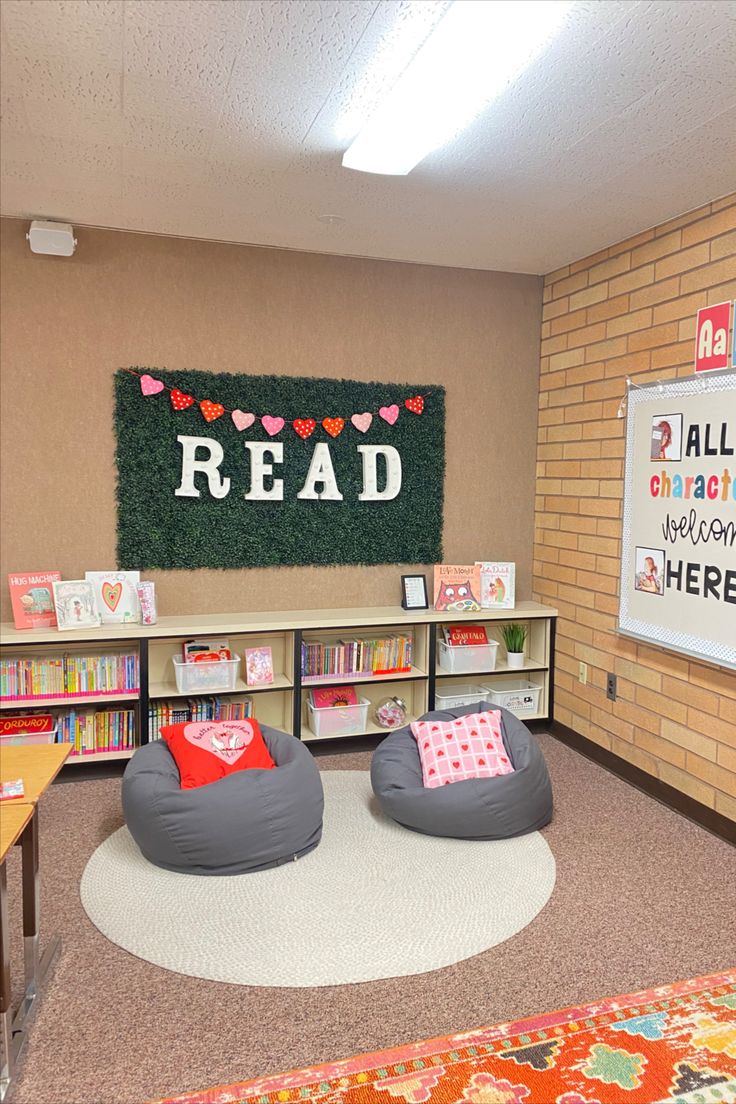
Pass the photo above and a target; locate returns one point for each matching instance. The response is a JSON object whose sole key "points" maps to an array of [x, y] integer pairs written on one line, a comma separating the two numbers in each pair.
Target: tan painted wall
{"points": [[67, 324], [629, 310]]}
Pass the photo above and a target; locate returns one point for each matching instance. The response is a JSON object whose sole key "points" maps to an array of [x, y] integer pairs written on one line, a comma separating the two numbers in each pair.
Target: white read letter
{"points": [[371, 492], [259, 468], [705, 340], [321, 471], [218, 486]]}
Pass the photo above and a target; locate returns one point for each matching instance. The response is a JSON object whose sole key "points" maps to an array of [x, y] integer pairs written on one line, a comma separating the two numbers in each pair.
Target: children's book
{"points": [[115, 595], [25, 724], [460, 635], [206, 651], [333, 697], [258, 665], [76, 607], [457, 587], [497, 584], [9, 790], [33, 600]]}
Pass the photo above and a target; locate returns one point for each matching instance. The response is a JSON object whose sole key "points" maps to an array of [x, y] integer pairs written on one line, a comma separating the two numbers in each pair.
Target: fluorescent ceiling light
{"points": [[475, 52]]}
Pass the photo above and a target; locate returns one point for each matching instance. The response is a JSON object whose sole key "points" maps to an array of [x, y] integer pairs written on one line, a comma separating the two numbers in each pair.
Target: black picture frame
{"points": [[410, 583]]}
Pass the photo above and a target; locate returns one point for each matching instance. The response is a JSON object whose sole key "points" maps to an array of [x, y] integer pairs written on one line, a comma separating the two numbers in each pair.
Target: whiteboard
{"points": [[678, 553]]}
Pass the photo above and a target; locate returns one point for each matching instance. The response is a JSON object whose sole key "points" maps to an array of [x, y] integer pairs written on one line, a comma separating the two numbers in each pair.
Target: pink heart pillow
{"points": [[468, 747], [206, 751]]}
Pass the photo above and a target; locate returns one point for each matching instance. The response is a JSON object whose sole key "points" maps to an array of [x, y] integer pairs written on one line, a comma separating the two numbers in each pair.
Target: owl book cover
{"points": [[457, 587]]}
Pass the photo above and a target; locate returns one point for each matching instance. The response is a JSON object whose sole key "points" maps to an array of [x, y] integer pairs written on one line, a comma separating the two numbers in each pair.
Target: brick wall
{"points": [[626, 311]]}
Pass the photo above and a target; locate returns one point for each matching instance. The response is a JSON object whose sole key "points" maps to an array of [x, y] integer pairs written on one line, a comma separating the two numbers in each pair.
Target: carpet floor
{"points": [[643, 898], [674, 1045]]}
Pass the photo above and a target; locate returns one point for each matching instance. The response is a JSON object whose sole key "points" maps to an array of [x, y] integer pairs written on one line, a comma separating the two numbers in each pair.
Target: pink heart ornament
{"points": [[271, 425], [362, 422], [151, 386], [227, 740], [389, 413], [242, 421]]}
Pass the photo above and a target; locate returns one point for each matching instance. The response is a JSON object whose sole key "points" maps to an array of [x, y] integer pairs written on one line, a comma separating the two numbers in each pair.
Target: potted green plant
{"points": [[514, 637]]}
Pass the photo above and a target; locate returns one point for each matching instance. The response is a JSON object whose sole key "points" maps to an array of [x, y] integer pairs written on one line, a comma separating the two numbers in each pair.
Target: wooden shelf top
{"points": [[263, 622]]}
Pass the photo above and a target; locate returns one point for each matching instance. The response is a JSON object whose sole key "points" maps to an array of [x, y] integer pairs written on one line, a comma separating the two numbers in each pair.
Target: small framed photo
{"points": [[414, 592]]}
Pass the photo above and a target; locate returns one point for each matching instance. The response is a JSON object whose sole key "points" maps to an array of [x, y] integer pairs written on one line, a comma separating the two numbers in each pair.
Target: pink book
{"points": [[330, 697], [258, 665]]}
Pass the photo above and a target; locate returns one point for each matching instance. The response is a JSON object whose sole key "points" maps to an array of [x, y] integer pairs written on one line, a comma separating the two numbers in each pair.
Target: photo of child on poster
{"points": [[649, 574], [666, 437]]}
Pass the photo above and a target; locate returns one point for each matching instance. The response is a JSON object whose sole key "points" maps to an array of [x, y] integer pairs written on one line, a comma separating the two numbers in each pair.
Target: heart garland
{"points": [[151, 386], [179, 400], [333, 426], [211, 411], [416, 405], [241, 420], [362, 422], [272, 425], [305, 427]]}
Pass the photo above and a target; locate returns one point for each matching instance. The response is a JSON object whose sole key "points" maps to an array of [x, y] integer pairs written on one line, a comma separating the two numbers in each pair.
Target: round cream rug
{"points": [[373, 900]]}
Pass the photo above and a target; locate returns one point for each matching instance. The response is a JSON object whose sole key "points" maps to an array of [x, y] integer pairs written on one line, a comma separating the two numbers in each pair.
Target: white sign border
{"points": [[696, 646]]}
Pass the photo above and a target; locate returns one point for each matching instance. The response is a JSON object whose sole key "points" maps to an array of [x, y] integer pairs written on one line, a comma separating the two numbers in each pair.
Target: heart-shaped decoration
{"points": [[448, 736], [151, 386], [416, 405], [271, 425], [456, 766], [447, 781], [440, 752], [459, 721], [473, 732], [465, 747], [111, 593], [489, 747], [241, 420], [426, 744], [179, 400], [389, 413], [435, 728], [481, 762], [225, 739], [482, 720], [211, 411], [305, 427], [333, 426], [362, 422], [432, 770]]}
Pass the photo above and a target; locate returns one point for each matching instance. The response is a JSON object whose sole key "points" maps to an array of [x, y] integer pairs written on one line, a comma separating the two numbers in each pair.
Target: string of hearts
{"points": [[303, 427]]}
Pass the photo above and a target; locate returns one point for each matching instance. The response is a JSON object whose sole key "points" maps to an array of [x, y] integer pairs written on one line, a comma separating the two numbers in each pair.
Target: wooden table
{"points": [[37, 765]]}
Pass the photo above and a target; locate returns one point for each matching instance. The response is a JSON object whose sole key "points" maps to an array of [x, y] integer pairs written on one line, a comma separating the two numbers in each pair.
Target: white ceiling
{"points": [[227, 119]]}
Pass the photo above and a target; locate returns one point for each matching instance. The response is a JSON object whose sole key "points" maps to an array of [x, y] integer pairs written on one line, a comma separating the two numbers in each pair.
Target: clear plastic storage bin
{"points": [[453, 696], [343, 720], [457, 658], [197, 678], [8, 739], [516, 695]]}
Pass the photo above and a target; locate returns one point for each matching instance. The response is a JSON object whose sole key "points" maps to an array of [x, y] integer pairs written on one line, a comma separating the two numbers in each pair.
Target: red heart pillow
{"points": [[206, 751]]}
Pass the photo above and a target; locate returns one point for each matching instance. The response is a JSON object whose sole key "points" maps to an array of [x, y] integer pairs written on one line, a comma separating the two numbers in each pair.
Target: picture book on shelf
{"points": [[258, 665], [33, 600], [333, 697], [76, 607], [497, 584], [462, 635], [457, 587], [206, 651], [115, 595], [10, 790]]}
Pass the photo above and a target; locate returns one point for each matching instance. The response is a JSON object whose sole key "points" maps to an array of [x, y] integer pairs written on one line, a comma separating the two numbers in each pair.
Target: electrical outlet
{"points": [[583, 676], [611, 686]]}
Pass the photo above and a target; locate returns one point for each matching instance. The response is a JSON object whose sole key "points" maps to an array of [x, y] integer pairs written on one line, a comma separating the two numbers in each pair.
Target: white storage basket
{"points": [[457, 658], [341, 720], [197, 678], [454, 696], [516, 695], [11, 739]]}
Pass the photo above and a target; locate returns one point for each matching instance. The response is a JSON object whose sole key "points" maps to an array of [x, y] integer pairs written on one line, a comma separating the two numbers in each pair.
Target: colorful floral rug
{"points": [[672, 1045]]}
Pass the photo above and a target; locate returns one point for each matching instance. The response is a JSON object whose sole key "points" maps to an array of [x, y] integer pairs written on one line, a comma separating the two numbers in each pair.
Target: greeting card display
{"points": [[258, 665], [457, 587], [32, 598], [75, 604], [115, 595], [497, 584]]}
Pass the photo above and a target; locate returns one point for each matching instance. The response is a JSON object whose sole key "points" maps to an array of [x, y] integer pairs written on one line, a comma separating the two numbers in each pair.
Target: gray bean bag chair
{"points": [[478, 808], [251, 820]]}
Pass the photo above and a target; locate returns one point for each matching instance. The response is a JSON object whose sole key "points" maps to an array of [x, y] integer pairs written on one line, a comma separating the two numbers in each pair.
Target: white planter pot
{"points": [[515, 660]]}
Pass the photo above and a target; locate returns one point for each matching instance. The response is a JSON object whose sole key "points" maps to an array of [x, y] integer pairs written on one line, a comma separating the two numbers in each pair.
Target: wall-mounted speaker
{"points": [[55, 238]]}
